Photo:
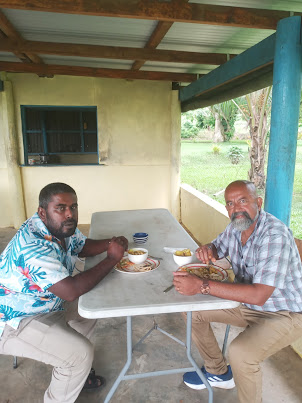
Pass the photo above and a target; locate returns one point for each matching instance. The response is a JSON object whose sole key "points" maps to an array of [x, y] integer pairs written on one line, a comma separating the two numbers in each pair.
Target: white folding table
{"points": [[123, 294]]}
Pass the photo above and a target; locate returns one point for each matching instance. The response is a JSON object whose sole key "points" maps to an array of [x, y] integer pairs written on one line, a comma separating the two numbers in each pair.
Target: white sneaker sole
{"points": [[222, 385]]}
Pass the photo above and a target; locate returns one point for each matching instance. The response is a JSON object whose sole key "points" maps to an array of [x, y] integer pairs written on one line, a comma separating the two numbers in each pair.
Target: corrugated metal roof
{"points": [[56, 27], [286, 5], [87, 62], [211, 38], [8, 57], [178, 67], [135, 33]]}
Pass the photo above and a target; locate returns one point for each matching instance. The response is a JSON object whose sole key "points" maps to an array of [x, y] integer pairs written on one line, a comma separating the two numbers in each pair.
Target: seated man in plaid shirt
{"points": [[268, 283]]}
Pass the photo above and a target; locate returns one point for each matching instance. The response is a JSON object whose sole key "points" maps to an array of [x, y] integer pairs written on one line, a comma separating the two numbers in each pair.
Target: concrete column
{"points": [[175, 155], [11, 152], [284, 119]]}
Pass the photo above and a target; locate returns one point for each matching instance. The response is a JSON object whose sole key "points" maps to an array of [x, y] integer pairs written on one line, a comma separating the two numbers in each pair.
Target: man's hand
{"points": [[116, 248], [94, 247], [185, 283], [122, 241], [206, 253]]}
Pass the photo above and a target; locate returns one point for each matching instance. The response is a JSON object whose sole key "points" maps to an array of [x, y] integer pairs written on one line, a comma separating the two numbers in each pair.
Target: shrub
{"points": [[235, 155], [216, 150], [188, 130]]}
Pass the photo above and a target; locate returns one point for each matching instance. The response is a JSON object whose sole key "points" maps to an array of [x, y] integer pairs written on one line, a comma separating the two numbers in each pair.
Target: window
{"points": [[59, 135]]}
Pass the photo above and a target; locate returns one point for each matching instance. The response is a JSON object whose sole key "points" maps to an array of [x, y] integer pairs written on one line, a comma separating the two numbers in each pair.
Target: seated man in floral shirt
{"points": [[36, 278]]}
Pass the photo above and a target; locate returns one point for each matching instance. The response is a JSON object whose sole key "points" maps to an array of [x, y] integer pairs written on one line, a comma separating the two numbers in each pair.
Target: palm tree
{"points": [[255, 109], [225, 115]]}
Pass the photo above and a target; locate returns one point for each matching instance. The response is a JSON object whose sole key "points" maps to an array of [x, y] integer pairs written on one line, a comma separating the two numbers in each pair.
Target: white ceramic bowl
{"points": [[181, 260], [138, 258]]}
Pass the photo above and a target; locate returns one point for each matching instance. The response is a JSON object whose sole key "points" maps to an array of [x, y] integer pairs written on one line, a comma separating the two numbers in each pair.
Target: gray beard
{"points": [[242, 224]]}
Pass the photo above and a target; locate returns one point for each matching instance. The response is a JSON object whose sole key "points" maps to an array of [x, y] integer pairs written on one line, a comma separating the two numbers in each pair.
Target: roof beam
{"points": [[50, 69], [111, 52], [250, 69], [157, 35], [12, 34], [174, 11]]}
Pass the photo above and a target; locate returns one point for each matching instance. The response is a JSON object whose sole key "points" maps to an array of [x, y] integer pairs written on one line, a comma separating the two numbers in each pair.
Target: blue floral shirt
{"points": [[32, 262]]}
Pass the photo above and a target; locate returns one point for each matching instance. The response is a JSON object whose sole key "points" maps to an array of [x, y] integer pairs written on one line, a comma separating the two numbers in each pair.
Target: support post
{"points": [[11, 152], [175, 155], [284, 119]]}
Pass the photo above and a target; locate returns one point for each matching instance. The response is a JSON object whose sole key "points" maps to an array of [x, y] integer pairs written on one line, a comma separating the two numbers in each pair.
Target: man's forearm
{"points": [[254, 294], [71, 288], [94, 247]]}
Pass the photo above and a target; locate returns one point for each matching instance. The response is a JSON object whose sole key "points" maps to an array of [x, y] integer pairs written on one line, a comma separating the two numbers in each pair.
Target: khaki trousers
{"points": [[60, 339], [265, 333]]}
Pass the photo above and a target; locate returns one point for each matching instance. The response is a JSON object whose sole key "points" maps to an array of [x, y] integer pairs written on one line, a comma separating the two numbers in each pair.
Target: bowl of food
{"points": [[140, 237], [137, 255], [182, 257]]}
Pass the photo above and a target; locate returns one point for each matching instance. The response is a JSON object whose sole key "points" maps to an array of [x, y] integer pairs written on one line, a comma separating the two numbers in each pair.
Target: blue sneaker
{"points": [[224, 381]]}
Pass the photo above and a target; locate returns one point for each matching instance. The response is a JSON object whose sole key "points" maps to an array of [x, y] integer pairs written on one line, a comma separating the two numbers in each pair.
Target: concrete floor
{"points": [[26, 384]]}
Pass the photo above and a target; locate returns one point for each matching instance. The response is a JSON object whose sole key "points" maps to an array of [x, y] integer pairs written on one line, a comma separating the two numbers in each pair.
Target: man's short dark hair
{"points": [[52, 189]]}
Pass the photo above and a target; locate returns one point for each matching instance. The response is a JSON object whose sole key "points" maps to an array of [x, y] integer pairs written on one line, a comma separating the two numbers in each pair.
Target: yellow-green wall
{"points": [[204, 217], [138, 135], [5, 205]]}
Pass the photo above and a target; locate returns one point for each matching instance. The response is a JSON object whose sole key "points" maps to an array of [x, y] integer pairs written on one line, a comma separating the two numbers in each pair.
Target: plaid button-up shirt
{"points": [[269, 257]]}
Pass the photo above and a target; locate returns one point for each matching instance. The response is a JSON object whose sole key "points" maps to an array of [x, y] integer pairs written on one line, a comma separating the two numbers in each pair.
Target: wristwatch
{"points": [[205, 287]]}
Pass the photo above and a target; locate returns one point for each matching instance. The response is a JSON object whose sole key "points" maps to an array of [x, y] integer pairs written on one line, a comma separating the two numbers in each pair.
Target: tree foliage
{"points": [[193, 121], [255, 109], [219, 117], [225, 115]]}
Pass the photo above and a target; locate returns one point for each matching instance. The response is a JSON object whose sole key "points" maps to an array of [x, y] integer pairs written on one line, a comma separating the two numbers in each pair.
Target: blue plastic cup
{"points": [[140, 237]]}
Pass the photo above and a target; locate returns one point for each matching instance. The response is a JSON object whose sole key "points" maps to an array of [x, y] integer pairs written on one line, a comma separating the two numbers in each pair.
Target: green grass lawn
{"points": [[211, 173]]}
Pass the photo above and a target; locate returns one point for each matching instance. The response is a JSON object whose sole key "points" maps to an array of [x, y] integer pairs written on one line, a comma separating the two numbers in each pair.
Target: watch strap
{"points": [[205, 287]]}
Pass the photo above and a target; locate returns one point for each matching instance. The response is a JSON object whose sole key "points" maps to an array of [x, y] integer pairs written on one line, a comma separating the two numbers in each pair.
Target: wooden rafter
{"points": [[13, 35], [160, 31], [156, 37], [111, 52], [174, 11], [51, 69]]}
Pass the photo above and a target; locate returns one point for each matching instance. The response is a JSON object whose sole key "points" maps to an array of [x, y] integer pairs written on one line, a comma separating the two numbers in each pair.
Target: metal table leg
{"points": [[190, 358], [122, 376], [128, 362]]}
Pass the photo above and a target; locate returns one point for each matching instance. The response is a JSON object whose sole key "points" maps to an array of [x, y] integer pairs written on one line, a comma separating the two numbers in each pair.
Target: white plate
{"points": [[125, 266], [222, 273]]}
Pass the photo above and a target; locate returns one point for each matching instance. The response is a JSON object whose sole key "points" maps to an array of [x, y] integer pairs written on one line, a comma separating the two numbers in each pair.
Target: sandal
{"points": [[94, 381]]}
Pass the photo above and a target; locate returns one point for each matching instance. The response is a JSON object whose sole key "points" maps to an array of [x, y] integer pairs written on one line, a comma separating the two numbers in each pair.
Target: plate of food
{"points": [[205, 271], [125, 266]]}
